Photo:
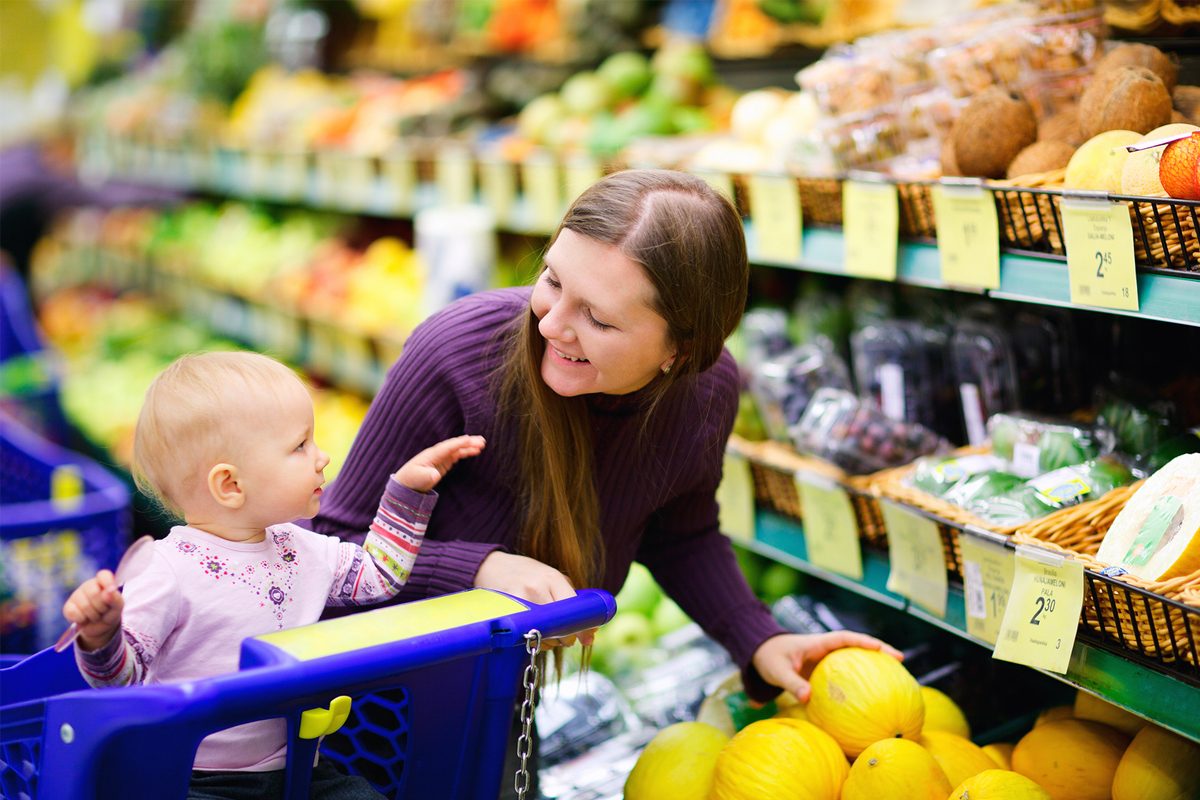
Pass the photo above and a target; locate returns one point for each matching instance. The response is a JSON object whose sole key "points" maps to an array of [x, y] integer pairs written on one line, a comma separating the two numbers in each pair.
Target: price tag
{"points": [[258, 173], [918, 564], [1042, 616], [325, 180], [539, 176], [355, 360], [357, 183], [498, 184], [721, 181], [455, 183], [291, 175], [871, 225], [735, 497], [322, 352], [968, 236], [580, 174], [987, 578], [1099, 240], [775, 210], [281, 331], [400, 178], [830, 527], [66, 487]]}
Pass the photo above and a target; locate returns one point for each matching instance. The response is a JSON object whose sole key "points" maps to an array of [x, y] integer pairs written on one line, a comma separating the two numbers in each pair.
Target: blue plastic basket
{"points": [[455, 662], [62, 517]]}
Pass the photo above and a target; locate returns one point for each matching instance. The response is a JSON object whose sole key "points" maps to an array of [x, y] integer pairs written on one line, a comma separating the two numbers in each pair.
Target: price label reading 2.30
{"points": [[1099, 242], [871, 225], [1042, 615]]}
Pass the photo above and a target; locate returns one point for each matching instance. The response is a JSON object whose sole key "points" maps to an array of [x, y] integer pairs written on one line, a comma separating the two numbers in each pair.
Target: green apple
{"points": [[620, 643], [778, 580], [667, 617], [586, 93], [628, 73], [752, 565], [640, 593]]}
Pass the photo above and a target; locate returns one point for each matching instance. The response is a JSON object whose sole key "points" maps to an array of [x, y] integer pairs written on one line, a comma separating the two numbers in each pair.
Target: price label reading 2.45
{"points": [[1099, 242], [1042, 615]]}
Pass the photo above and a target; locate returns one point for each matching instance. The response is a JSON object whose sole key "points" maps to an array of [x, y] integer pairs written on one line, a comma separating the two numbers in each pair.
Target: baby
{"points": [[225, 440]]}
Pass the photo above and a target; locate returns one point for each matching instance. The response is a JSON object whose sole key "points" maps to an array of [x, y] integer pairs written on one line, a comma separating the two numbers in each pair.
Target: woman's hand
{"points": [[423, 471], [787, 661], [96, 608], [528, 579]]}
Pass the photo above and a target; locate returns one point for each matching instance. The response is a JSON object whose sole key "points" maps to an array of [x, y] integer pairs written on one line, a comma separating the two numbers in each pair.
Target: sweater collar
{"points": [[623, 404]]}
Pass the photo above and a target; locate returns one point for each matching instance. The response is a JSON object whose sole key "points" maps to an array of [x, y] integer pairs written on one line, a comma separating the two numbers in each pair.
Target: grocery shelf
{"points": [[1163, 296], [1161, 698]]}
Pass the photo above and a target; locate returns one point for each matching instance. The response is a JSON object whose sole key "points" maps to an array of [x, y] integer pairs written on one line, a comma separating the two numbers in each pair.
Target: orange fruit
{"points": [[1179, 168]]}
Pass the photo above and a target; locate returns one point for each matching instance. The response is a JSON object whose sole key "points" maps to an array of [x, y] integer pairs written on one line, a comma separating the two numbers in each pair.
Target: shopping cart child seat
{"points": [[458, 659]]}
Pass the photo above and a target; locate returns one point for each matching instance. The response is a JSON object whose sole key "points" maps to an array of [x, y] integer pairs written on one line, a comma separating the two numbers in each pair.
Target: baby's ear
{"points": [[224, 488]]}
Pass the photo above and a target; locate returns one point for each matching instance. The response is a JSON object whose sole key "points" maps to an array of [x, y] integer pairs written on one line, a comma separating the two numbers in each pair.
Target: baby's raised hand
{"points": [[426, 468], [96, 608]]}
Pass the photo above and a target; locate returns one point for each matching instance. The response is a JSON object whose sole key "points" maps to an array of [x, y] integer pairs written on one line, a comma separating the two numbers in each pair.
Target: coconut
{"points": [[1062, 126], [949, 166], [1186, 100], [1041, 157], [992, 129], [1129, 54], [1124, 98]]}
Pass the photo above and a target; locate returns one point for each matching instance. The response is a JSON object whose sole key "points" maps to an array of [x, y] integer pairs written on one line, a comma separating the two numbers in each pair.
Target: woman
{"points": [[606, 396]]}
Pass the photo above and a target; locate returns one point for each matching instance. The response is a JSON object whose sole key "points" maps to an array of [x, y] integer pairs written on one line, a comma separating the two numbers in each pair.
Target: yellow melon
{"points": [[1098, 162], [1158, 765], [1001, 753], [1072, 759], [788, 707], [998, 784], [895, 769], [1054, 713], [784, 759], [861, 696], [678, 762], [1088, 706], [959, 758], [943, 714]]}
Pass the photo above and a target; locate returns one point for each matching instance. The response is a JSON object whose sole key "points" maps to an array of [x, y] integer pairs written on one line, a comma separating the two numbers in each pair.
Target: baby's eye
{"points": [[300, 446]]}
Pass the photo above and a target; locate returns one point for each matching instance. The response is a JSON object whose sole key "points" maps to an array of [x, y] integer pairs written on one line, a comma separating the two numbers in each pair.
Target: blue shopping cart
{"points": [[434, 684]]}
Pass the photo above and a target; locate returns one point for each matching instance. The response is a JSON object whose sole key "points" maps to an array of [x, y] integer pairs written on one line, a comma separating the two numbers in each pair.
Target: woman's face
{"points": [[593, 309]]}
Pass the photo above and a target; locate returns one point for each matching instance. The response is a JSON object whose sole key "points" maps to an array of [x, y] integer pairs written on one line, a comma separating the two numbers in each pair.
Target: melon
{"points": [[895, 769], [1157, 534], [1158, 765], [998, 784], [1000, 752], [1072, 759], [861, 696], [784, 759], [943, 714], [1054, 713], [1088, 706], [1098, 162], [787, 706], [959, 758], [678, 762]]}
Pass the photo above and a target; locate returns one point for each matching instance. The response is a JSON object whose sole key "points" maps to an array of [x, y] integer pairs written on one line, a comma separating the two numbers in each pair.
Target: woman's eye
{"points": [[597, 323], [553, 283]]}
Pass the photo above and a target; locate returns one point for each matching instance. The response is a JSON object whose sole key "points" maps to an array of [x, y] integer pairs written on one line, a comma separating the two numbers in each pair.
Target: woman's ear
{"points": [[224, 487]]}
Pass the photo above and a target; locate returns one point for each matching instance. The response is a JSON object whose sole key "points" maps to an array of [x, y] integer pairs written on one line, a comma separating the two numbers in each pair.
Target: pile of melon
{"points": [[870, 732]]}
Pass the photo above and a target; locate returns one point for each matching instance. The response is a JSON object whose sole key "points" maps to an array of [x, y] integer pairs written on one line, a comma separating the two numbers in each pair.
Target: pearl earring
{"points": [[666, 370]]}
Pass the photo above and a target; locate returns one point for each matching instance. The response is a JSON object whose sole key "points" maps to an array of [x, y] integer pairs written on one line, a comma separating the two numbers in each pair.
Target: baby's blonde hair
{"points": [[193, 418]]}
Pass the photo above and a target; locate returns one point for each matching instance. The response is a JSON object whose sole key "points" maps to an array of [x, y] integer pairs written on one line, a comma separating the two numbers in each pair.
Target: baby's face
{"points": [[280, 468]]}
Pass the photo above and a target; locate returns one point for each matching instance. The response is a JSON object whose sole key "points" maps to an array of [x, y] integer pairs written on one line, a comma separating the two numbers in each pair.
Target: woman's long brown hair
{"points": [[690, 243]]}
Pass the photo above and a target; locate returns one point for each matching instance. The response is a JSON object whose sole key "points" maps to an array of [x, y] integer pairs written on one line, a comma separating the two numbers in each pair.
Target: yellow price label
{"points": [[775, 211], [987, 578], [355, 359], [258, 173], [1042, 616], [830, 527], [322, 350], [918, 566], [325, 183], [291, 175], [498, 185], [1099, 240], [400, 177], [871, 226], [357, 183], [721, 181], [540, 177], [968, 236], [455, 181], [66, 487], [580, 173], [735, 497]]}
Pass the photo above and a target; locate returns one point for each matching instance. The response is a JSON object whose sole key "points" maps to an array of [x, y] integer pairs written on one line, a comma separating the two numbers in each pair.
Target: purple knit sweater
{"points": [[656, 488]]}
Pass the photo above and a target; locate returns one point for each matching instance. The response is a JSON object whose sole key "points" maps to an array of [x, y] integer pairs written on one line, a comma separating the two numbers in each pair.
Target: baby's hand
{"points": [[96, 608], [426, 468]]}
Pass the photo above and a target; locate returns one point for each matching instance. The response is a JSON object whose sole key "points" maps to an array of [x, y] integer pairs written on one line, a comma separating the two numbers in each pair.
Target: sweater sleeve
{"points": [[695, 564], [418, 405], [381, 567]]}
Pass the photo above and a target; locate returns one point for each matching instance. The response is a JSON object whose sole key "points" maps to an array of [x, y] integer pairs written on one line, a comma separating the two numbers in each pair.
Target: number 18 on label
{"points": [[1099, 243]]}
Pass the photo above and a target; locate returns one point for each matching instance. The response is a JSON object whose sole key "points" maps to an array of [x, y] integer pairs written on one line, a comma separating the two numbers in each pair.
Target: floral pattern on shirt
{"points": [[271, 580]]}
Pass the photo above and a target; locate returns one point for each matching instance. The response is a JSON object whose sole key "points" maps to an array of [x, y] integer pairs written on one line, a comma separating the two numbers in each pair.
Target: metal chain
{"points": [[533, 644]]}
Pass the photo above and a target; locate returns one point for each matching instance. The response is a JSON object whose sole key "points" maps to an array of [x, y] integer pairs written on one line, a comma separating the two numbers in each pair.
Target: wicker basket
{"points": [[1028, 211], [1159, 620], [773, 468], [820, 200], [916, 210], [1165, 232], [951, 519]]}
